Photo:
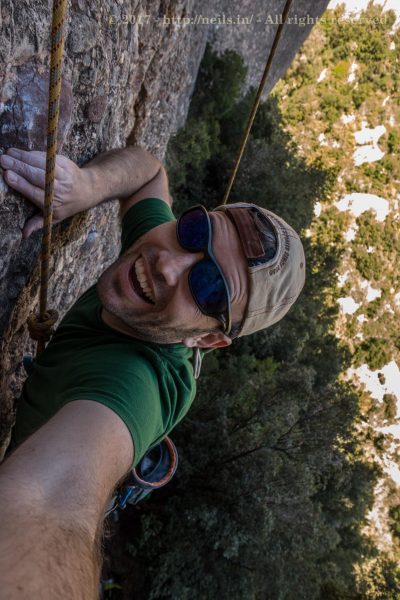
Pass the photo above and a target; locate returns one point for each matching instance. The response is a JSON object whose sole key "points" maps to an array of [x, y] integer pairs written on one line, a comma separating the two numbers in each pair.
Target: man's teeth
{"points": [[144, 284]]}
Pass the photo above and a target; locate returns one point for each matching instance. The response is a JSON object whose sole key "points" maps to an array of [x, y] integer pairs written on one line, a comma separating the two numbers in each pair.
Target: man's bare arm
{"points": [[53, 492], [123, 172], [114, 174]]}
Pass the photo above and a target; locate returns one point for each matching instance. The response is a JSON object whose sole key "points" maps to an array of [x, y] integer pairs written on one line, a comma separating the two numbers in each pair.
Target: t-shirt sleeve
{"points": [[142, 217], [132, 392]]}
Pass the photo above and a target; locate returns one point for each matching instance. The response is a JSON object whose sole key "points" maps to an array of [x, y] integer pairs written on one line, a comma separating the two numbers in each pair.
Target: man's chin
{"points": [[157, 334], [150, 330]]}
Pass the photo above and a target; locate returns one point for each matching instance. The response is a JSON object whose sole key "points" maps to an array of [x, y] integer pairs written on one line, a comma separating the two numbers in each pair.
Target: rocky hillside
{"points": [[340, 98]]}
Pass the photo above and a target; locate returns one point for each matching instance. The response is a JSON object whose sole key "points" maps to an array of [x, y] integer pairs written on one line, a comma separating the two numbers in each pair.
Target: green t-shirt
{"points": [[150, 386]]}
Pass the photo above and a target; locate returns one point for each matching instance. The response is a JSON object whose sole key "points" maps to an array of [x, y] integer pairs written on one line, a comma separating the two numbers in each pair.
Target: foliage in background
{"points": [[314, 106]]}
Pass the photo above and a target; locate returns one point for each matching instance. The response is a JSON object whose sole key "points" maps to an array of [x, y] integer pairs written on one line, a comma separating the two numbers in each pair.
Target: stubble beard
{"points": [[152, 328]]}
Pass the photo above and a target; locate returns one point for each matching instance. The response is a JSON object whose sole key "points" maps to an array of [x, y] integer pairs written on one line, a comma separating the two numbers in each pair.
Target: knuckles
{"points": [[27, 173], [22, 169]]}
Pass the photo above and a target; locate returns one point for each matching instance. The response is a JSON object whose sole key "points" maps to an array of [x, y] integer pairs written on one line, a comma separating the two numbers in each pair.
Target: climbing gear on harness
{"points": [[154, 471], [206, 280]]}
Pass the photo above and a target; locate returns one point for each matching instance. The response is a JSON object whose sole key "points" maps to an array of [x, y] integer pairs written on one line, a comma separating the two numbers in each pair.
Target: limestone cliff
{"points": [[129, 70]]}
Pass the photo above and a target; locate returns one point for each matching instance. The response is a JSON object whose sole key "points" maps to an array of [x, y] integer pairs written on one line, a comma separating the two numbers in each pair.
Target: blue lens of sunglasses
{"points": [[205, 279], [208, 288], [193, 230]]}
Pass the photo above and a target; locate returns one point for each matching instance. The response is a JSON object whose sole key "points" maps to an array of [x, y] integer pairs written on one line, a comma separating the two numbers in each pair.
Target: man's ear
{"points": [[208, 340]]}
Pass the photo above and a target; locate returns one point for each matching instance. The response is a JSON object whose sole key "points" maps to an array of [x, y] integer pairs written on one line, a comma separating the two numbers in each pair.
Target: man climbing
{"points": [[118, 374]]}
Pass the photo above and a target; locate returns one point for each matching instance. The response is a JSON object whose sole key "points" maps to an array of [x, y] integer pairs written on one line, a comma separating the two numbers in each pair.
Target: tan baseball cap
{"points": [[276, 278]]}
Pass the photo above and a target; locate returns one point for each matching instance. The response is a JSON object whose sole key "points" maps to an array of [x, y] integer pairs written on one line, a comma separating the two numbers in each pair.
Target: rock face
{"points": [[129, 70]]}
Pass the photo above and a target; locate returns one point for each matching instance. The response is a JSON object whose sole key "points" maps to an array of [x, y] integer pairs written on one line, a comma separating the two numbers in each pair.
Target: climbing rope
{"points": [[40, 326], [257, 100]]}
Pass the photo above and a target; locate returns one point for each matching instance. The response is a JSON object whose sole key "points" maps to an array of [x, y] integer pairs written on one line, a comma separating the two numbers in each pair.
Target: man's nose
{"points": [[173, 265]]}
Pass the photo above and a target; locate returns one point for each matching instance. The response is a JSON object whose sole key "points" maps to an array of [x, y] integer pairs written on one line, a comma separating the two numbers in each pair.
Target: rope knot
{"points": [[41, 327]]}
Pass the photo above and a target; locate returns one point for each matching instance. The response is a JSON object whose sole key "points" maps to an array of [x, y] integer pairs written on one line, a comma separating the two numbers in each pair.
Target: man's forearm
{"points": [[119, 173], [114, 174], [44, 552], [46, 557], [54, 489]]}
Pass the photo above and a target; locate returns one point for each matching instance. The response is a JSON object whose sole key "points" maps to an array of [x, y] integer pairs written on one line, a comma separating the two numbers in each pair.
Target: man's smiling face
{"points": [[146, 293]]}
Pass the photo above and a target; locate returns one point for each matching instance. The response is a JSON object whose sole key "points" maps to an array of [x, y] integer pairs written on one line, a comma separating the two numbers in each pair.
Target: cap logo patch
{"points": [[249, 237], [285, 255]]}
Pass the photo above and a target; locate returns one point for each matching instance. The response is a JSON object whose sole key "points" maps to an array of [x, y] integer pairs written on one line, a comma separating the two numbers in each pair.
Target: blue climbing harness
{"points": [[155, 469]]}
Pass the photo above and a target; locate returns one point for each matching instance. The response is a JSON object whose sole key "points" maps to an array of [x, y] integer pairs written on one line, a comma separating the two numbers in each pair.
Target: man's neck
{"points": [[118, 325]]}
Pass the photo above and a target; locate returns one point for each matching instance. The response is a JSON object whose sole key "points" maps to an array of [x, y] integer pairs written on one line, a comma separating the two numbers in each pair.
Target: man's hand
{"points": [[129, 174], [25, 172]]}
